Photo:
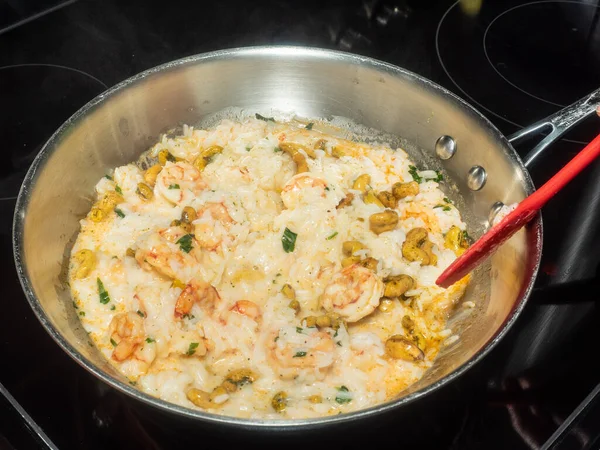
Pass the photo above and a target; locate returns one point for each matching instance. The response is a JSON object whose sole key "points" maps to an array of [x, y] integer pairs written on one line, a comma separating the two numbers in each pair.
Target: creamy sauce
{"points": [[248, 306]]}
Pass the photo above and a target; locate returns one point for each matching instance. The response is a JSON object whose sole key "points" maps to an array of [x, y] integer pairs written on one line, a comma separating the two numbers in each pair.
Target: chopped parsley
{"points": [[444, 207], [339, 343], [75, 305], [343, 397], [276, 149], [192, 348], [113, 307], [332, 236], [276, 339], [327, 188], [266, 119], [248, 148], [336, 333], [119, 213], [141, 313], [174, 186], [149, 340], [82, 313], [466, 236], [288, 240], [309, 126], [298, 329], [299, 355], [113, 343], [189, 316], [104, 297], [415, 174], [447, 200], [118, 189], [108, 177], [133, 383], [185, 242]]}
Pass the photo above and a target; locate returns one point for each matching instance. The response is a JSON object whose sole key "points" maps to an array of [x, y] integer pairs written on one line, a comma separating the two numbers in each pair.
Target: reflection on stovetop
{"points": [[520, 394]]}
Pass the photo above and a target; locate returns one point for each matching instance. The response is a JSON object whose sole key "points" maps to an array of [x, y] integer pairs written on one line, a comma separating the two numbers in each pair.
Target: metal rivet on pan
{"points": [[476, 178], [495, 209], [445, 147]]}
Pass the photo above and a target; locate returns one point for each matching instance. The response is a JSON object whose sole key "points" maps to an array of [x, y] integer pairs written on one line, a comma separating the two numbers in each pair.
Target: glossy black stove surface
{"points": [[515, 61]]}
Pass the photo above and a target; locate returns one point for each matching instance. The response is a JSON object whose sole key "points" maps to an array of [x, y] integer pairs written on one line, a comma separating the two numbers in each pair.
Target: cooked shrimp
{"points": [[290, 353], [155, 253], [248, 309], [179, 182], [302, 188], [196, 292], [206, 233], [126, 330], [353, 293]]}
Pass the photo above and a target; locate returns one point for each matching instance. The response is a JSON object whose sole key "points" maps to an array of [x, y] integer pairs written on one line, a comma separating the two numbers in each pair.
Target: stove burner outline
{"points": [[56, 66], [441, 61], [439, 55], [485, 35]]}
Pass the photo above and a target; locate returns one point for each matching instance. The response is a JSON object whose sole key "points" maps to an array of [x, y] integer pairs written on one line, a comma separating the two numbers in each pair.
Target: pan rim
{"points": [[535, 236]]}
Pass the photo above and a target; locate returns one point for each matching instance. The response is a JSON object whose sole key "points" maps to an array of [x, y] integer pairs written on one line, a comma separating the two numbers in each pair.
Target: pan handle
{"points": [[557, 124]]}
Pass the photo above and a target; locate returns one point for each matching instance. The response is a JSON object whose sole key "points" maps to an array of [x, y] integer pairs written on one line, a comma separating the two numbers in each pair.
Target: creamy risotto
{"points": [[267, 269]]}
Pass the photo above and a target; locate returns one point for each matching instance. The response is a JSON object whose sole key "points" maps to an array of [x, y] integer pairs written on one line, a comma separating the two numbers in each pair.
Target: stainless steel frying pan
{"points": [[438, 129]]}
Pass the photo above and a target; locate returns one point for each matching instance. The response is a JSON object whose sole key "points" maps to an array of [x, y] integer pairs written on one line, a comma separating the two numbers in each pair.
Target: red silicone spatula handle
{"points": [[524, 212]]}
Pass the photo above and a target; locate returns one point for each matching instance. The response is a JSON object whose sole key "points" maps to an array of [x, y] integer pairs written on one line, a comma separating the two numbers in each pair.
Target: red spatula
{"points": [[513, 221]]}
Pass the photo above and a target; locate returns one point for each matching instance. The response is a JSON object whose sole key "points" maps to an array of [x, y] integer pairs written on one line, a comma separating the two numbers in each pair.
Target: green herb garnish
{"points": [[327, 188], [112, 341], [82, 313], [104, 297], [439, 177], [288, 240], [189, 316], [248, 149], [75, 305], [276, 339], [149, 340], [174, 186], [108, 177], [119, 213], [192, 348], [170, 157], [299, 355], [141, 313], [447, 200], [113, 307], [414, 174], [266, 119], [444, 207], [342, 399], [276, 149], [118, 189], [330, 237], [298, 329], [185, 242], [309, 126], [466, 237]]}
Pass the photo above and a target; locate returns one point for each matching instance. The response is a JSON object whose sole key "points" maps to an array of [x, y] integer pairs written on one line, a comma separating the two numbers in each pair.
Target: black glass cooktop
{"points": [[516, 61]]}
